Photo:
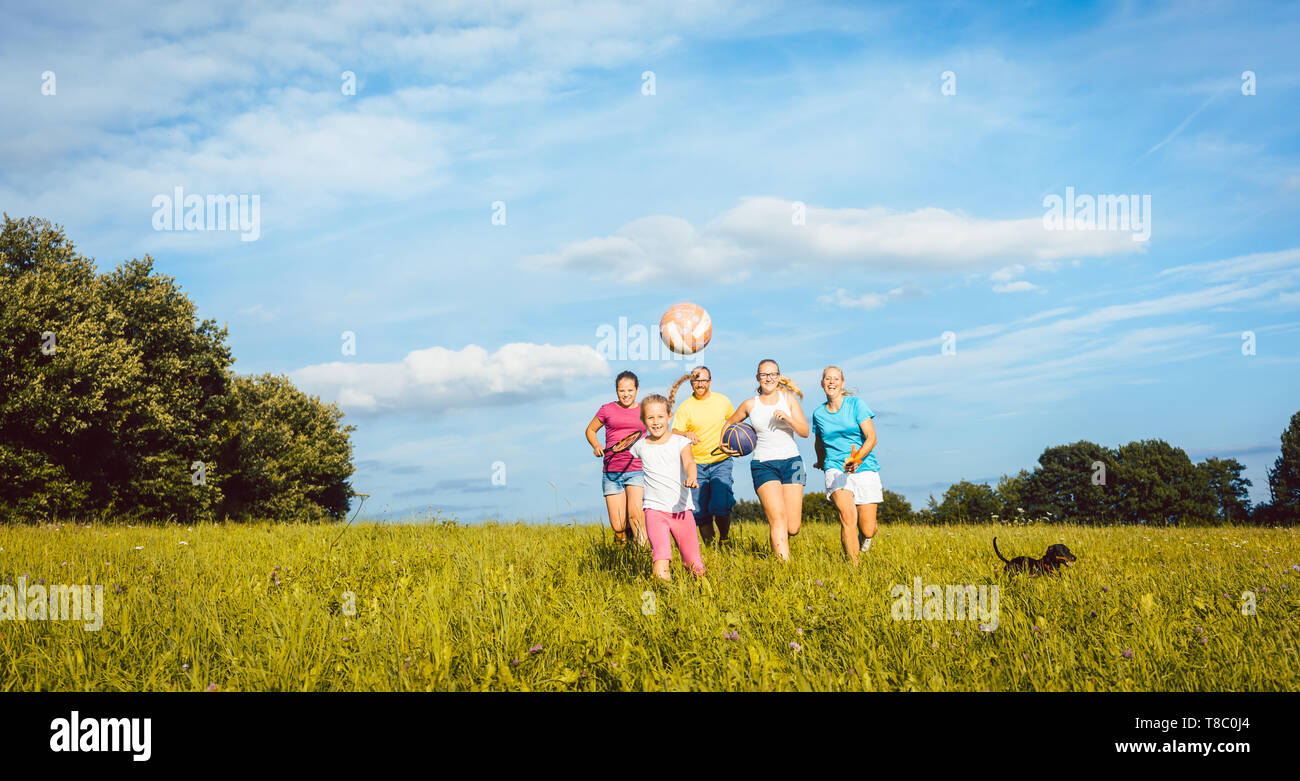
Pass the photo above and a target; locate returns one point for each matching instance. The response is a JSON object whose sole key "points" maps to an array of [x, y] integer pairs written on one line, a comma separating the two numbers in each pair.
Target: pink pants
{"points": [[659, 525]]}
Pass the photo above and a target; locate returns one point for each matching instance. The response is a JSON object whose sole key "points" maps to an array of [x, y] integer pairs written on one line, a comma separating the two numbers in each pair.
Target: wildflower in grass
{"points": [[514, 662], [933, 646], [1105, 589], [1128, 653], [819, 582], [185, 666], [799, 631], [1094, 614], [211, 687], [537, 649], [795, 646]]}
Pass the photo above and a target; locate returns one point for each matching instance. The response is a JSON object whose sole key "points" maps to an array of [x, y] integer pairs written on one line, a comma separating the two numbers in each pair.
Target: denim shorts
{"points": [[614, 482], [714, 495], [788, 470]]}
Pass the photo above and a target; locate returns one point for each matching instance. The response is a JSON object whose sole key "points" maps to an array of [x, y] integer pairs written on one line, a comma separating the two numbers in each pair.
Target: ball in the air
{"points": [[685, 328]]}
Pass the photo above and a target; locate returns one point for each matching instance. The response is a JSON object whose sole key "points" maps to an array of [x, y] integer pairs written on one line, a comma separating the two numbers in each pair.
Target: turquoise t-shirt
{"points": [[841, 432]]}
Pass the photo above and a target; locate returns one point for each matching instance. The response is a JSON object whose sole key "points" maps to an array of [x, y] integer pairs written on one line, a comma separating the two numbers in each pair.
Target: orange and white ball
{"points": [[686, 328]]}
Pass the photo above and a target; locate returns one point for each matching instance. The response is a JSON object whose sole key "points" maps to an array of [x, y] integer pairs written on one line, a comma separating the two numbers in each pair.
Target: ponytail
{"points": [[672, 392], [785, 382]]}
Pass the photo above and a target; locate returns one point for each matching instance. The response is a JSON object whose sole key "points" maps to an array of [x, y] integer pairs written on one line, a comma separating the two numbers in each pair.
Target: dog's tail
{"points": [[995, 550]]}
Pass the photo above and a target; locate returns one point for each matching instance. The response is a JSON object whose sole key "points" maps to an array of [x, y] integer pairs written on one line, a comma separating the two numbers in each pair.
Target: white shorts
{"points": [[865, 486]]}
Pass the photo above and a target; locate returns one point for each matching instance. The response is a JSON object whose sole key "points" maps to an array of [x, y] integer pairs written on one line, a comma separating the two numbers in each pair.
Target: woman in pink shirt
{"points": [[623, 482]]}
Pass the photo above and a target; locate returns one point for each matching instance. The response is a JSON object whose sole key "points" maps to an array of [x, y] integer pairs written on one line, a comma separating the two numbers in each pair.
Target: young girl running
{"points": [[669, 477], [777, 468], [700, 418], [622, 482], [842, 425]]}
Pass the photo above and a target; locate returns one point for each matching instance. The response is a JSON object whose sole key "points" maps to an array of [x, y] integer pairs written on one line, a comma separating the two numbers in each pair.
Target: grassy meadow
{"points": [[442, 607]]}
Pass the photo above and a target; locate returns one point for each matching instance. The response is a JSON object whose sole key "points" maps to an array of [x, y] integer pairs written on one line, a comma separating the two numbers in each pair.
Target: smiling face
{"points": [[655, 417], [626, 392], [700, 382], [832, 382], [768, 374]]}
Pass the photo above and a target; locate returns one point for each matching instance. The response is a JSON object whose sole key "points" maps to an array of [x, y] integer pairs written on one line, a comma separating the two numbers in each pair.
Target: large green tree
{"points": [[1229, 489], [1073, 483], [1284, 477], [1283, 509], [289, 457], [966, 502], [117, 401], [1157, 484]]}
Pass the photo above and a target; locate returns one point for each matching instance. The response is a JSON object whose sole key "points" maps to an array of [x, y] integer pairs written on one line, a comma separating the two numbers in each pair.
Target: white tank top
{"points": [[775, 437]]}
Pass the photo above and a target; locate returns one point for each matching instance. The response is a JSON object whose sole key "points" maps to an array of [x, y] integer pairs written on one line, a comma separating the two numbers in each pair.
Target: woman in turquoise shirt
{"points": [[840, 426]]}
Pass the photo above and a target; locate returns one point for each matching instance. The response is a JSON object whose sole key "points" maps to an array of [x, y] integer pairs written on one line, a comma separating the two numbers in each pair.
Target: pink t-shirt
{"points": [[619, 421]]}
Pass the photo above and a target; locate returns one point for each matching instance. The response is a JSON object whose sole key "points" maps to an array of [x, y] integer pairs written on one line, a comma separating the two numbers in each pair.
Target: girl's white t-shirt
{"points": [[664, 474], [775, 437]]}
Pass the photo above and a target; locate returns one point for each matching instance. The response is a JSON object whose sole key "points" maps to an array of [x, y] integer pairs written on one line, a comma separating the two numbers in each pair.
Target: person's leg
{"points": [[661, 546], [700, 498], [635, 514], [843, 500], [617, 506], [866, 524], [705, 527], [793, 493], [773, 501], [683, 529], [722, 498], [868, 495]]}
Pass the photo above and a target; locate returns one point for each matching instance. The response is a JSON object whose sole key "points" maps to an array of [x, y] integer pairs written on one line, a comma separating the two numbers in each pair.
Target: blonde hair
{"points": [[654, 398], [782, 381], [690, 375], [844, 390]]}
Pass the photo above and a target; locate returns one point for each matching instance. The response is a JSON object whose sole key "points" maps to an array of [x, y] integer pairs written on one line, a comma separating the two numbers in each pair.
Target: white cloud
{"points": [[759, 233], [870, 301], [1007, 273], [438, 380], [1015, 287]]}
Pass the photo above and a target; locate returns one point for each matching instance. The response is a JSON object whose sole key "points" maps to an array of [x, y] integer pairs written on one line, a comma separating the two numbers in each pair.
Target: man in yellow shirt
{"points": [[700, 419]]}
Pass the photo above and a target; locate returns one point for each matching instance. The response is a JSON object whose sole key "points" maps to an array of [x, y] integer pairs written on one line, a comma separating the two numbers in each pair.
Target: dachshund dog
{"points": [[1056, 555]]}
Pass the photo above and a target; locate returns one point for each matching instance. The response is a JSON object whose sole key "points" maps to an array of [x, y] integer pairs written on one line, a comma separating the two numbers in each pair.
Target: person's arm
{"points": [[795, 419], [592, 428], [684, 432], [819, 446], [688, 465], [800, 422], [736, 417], [741, 413], [868, 439]]}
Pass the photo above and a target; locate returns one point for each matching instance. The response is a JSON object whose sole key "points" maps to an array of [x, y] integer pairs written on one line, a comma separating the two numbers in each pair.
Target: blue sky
{"points": [[924, 214]]}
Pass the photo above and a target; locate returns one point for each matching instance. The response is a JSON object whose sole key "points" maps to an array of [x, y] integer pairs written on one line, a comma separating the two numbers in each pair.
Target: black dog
{"points": [[1056, 555]]}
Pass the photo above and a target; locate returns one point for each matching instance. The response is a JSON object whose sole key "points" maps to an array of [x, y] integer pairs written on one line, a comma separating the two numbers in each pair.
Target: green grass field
{"points": [[441, 607]]}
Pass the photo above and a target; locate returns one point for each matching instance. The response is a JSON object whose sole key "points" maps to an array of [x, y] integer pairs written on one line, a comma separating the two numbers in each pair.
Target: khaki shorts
{"points": [[865, 486]]}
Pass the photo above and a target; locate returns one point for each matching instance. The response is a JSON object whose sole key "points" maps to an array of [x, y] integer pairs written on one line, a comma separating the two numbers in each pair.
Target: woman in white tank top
{"points": [[777, 467]]}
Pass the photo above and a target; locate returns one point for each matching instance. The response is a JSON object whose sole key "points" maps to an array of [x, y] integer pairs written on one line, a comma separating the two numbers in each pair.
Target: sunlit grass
{"points": [[445, 607]]}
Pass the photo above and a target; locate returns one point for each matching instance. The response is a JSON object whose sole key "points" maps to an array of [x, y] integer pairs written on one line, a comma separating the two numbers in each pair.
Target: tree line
{"points": [[117, 402], [1145, 482]]}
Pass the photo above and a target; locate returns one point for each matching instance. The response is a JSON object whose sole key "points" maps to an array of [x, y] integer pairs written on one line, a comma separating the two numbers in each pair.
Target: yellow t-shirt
{"points": [[706, 418]]}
